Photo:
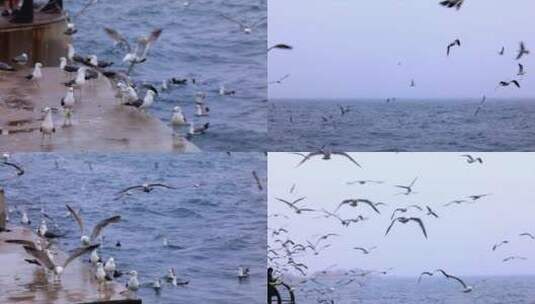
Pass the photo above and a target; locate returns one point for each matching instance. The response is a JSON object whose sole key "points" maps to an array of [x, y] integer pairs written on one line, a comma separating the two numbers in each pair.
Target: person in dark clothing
{"points": [[24, 14], [272, 291], [53, 7]]}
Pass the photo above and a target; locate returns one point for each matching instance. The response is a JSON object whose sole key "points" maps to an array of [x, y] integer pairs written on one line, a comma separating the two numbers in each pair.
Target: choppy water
{"points": [[196, 42], [487, 290], [220, 225], [402, 125]]}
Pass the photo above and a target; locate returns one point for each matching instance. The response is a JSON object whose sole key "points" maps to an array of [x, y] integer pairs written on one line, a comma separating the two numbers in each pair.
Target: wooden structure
{"points": [[43, 40]]}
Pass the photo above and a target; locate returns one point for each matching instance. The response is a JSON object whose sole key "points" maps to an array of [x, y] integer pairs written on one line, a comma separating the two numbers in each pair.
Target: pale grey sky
{"points": [[351, 49], [459, 241]]}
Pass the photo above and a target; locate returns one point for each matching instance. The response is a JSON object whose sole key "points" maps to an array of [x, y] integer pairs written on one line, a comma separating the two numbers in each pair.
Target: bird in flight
{"points": [[498, 245], [431, 212], [326, 155], [466, 288], [365, 250], [528, 235], [355, 203], [521, 71], [452, 3], [405, 220], [512, 258], [480, 106], [408, 188], [478, 196], [522, 50], [146, 187], [470, 159], [293, 205], [502, 51], [88, 240], [280, 46], [508, 83], [457, 42]]}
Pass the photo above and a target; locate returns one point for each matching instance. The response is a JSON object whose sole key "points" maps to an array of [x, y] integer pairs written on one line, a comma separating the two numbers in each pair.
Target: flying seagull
{"points": [[44, 258], [355, 203], [245, 27], [502, 51], [280, 46], [425, 273], [145, 187], [326, 155], [408, 188], [522, 50], [363, 182], [512, 258], [521, 71], [508, 83], [405, 220], [364, 250], [5, 161], [449, 276], [431, 212], [452, 3], [280, 80], [478, 196], [88, 240], [457, 42], [480, 106], [293, 205], [498, 245], [470, 159], [455, 202], [528, 235]]}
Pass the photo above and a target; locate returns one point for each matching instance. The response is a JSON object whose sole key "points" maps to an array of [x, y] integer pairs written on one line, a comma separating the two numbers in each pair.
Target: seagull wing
{"points": [[413, 181], [117, 37], [527, 234], [449, 276], [310, 155], [128, 189], [25, 243], [162, 185], [41, 256], [344, 202], [144, 44], [369, 203], [361, 249], [78, 252], [390, 227], [421, 223], [102, 224], [77, 217], [20, 171], [347, 156]]}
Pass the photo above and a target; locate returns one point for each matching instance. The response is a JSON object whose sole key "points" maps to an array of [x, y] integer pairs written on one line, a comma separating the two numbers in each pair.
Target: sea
{"points": [[196, 42], [215, 221], [407, 290], [402, 125]]}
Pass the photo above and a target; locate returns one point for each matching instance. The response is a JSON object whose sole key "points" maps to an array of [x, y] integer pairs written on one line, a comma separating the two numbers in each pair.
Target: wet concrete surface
{"points": [[99, 123], [22, 283]]}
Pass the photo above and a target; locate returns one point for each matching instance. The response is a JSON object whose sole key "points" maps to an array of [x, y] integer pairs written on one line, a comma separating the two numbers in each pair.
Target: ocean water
{"points": [[401, 290], [402, 125], [196, 42], [219, 225]]}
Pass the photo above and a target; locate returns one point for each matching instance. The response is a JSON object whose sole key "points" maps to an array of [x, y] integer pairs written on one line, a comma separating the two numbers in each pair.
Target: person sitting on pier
{"points": [[9, 7], [272, 291], [24, 14], [53, 7]]}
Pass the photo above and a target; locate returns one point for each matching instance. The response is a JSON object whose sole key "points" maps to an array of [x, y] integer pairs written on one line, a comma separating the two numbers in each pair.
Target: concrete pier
{"points": [[99, 122]]}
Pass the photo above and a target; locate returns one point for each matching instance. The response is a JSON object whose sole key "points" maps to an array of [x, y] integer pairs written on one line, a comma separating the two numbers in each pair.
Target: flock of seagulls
{"points": [[43, 250], [286, 250]]}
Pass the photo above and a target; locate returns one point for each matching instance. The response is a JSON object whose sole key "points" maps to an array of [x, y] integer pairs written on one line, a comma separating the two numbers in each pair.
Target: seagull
{"points": [[478, 196], [431, 212], [480, 106], [57, 269], [280, 80], [21, 59], [243, 273], [100, 273], [455, 202], [452, 3], [133, 283], [448, 276], [223, 91], [36, 74], [197, 130], [71, 29], [293, 205], [425, 273], [343, 110], [66, 67], [409, 187], [522, 51], [326, 155], [146, 102], [457, 42], [498, 245], [257, 180], [245, 28], [280, 46], [201, 110], [139, 54], [178, 119], [363, 182], [67, 103], [47, 126], [5, 161], [528, 235], [355, 203], [405, 220], [502, 51], [403, 210], [520, 70], [6, 67], [364, 250], [94, 258], [94, 62], [146, 187], [512, 258], [470, 159], [88, 240], [79, 81]]}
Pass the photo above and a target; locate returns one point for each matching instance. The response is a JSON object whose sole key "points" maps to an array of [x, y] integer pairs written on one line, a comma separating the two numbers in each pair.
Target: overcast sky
{"points": [[351, 49], [459, 241]]}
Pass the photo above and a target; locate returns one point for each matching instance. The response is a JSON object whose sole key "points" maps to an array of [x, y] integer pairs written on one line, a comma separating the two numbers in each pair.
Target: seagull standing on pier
{"points": [[67, 103], [145, 103], [36, 74], [178, 119], [47, 126], [21, 59]]}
